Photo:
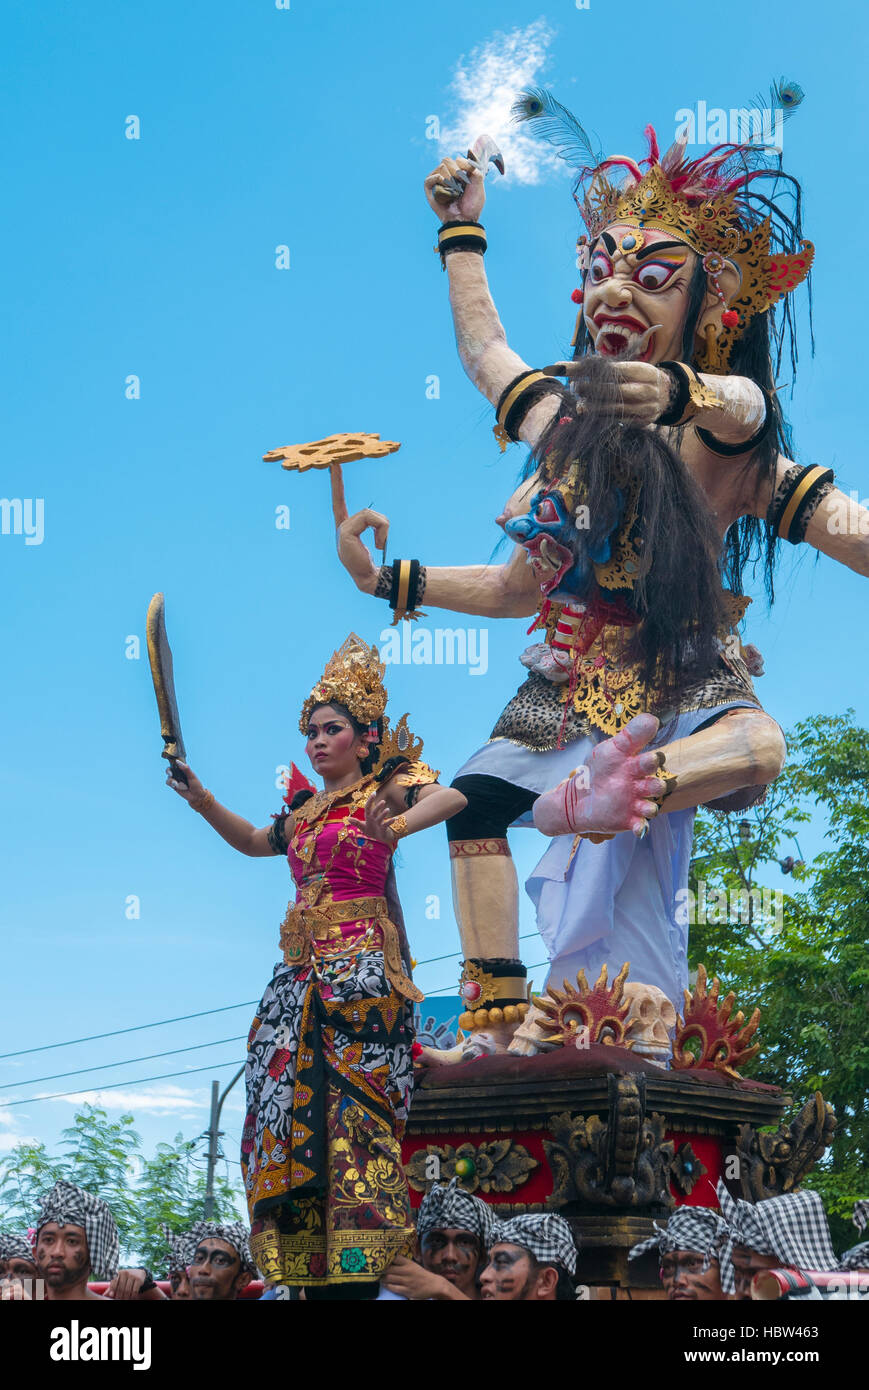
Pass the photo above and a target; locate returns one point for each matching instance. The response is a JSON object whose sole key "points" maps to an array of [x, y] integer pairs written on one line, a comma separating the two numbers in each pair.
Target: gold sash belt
{"points": [[303, 928]]}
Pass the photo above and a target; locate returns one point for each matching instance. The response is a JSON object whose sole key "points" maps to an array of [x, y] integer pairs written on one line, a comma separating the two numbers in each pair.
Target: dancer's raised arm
{"points": [[234, 829]]}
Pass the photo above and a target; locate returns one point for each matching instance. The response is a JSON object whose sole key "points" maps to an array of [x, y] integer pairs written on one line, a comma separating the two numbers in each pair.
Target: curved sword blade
{"points": [[163, 676]]}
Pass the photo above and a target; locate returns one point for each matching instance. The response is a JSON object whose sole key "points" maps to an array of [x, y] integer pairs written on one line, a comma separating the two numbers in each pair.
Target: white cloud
{"points": [[165, 1100], [484, 88], [8, 1141]]}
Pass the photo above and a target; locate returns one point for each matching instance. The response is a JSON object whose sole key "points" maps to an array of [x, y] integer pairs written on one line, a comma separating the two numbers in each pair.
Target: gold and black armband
{"points": [[460, 236], [492, 991], [796, 500], [690, 395], [519, 396], [402, 584]]}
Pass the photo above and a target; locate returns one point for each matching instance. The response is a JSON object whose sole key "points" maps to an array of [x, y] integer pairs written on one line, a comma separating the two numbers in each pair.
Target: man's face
{"points": [[216, 1271], [684, 1277], [511, 1274], [17, 1268], [455, 1255], [746, 1263], [62, 1257], [180, 1282], [636, 280]]}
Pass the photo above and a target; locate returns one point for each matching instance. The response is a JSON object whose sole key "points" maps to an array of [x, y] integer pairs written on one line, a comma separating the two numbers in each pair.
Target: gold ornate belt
{"points": [[305, 927]]}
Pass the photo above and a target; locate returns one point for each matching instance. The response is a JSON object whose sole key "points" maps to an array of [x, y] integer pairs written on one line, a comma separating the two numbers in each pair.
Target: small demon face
{"points": [[556, 539]]}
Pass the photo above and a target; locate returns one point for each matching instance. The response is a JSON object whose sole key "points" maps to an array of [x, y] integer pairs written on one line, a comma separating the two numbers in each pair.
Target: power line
{"points": [[118, 1085], [165, 1076], [129, 1061], [140, 1027], [452, 955], [183, 1018], [445, 989]]}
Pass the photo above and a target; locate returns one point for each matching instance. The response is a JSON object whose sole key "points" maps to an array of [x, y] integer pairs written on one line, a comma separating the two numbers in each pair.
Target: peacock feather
{"points": [[558, 126]]}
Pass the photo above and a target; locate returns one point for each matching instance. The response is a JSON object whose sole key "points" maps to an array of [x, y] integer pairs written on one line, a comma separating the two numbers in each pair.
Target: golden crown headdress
{"points": [[715, 229], [708, 203], [354, 678]]}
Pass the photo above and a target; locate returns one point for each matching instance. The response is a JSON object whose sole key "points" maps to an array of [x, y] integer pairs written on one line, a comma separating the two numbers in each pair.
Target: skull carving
{"points": [[650, 1021]]}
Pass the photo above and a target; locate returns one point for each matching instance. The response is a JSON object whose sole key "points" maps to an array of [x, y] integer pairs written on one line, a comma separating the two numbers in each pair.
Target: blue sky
{"points": [[155, 258]]}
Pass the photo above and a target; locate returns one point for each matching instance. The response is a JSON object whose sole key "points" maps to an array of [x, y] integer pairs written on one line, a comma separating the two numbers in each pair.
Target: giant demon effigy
{"points": [[659, 468]]}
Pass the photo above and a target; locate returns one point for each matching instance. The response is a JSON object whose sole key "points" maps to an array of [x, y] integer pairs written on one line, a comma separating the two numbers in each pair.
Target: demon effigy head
{"points": [[562, 551]]}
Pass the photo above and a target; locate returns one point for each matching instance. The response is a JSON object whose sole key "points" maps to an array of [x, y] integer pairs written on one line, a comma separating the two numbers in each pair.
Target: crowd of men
{"points": [[463, 1252]]}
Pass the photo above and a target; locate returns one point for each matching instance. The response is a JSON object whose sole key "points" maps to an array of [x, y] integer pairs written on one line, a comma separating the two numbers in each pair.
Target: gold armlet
{"points": [[692, 395], [202, 802]]}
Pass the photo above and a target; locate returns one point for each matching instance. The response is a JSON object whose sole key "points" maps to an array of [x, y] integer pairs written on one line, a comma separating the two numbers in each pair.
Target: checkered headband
{"points": [[235, 1235], [792, 1227], [451, 1208], [547, 1237], [182, 1248], [15, 1247], [69, 1205], [857, 1257], [860, 1215], [699, 1229]]}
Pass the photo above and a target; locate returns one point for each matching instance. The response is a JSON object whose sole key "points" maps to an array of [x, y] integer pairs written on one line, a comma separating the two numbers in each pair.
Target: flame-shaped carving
{"points": [[724, 1041], [583, 1016]]}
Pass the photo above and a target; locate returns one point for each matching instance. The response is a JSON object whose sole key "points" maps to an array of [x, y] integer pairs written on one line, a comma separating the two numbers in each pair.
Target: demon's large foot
{"points": [[611, 792], [483, 1042]]}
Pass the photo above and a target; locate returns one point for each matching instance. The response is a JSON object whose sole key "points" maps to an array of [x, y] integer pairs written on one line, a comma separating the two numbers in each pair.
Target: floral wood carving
{"points": [[494, 1165]]}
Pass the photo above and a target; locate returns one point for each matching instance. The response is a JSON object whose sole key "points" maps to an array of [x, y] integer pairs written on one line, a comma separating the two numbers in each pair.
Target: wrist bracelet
{"points": [[460, 236], [406, 588], [398, 826], [692, 395], [202, 802], [150, 1282], [796, 499]]}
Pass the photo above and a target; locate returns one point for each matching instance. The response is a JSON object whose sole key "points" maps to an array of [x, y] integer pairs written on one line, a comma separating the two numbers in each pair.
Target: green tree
{"points": [[99, 1156], [171, 1193], [25, 1175], [806, 964], [103, 1156]]}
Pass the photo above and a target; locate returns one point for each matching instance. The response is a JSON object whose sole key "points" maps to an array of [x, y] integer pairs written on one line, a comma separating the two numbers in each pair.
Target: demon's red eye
{"points": [[545, 512]]}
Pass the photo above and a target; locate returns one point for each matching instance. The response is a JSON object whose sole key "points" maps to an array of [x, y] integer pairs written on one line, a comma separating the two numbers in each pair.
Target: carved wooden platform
{"points": [[605, 1137]]}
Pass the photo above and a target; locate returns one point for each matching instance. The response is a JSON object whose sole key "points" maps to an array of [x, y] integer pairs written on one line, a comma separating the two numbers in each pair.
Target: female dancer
{"points": [[329, 1071]]}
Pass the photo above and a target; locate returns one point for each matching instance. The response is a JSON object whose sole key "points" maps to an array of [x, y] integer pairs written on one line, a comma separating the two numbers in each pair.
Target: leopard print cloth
{"points": [[535, 717]]}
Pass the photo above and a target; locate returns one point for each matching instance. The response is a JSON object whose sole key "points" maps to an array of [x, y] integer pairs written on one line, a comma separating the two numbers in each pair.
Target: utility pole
{"points": [[213, 1134]]}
